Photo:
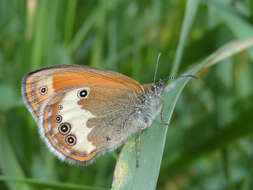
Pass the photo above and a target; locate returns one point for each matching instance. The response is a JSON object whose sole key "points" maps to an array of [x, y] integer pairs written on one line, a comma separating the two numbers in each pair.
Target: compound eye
{"points": [[70, 140], [153, 88], [107, 139]]}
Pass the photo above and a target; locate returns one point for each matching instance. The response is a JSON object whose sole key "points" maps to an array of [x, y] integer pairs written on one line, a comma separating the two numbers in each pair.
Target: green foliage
{"points": [[208, 144]]}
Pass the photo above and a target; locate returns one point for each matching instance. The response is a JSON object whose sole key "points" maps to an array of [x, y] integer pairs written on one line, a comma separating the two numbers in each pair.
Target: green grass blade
{"points": [[239, 26], [39, 35], [82, 32], [9, 164], [126, 175], [9, 97], [191, 9], [97, 50], [205, 144], [49, 184], [70, 18]]}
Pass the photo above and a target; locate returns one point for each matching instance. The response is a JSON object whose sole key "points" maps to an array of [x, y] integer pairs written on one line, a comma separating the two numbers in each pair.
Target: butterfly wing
{"points": [[78, 129], [52, 95], [42, 84]]}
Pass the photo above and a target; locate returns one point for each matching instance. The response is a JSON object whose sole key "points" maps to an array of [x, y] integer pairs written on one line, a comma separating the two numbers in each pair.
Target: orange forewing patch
{"points": [[67, 79]]}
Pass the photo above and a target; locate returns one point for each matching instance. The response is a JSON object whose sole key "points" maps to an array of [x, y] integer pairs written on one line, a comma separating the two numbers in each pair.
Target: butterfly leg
{"points": [[138, 148]]}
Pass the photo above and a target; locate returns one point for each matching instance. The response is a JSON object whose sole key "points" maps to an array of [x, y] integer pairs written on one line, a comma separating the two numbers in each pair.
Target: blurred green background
{"points": [[210, 138]]}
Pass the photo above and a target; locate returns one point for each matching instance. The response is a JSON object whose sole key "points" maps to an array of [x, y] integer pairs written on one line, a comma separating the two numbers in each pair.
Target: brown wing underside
{"points": [[113, 109], [111, 126]]}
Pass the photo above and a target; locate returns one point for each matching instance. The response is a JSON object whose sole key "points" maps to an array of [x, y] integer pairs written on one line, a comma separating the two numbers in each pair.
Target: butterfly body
{"points": [[84, 112]]}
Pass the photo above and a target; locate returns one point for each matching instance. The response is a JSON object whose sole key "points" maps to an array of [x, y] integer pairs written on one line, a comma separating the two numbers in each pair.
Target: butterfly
{"points": [[83, 112]]}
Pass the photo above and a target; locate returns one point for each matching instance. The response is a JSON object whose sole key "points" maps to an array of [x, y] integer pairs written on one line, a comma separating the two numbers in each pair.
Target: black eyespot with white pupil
{"points": [[43, 90], [64, 128], [70, 140], [83, 93], [58, 118]]}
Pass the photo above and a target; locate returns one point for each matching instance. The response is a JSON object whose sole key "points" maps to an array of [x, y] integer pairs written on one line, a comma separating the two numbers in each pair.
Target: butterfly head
{"points": [[157, 88], [149, 103]]}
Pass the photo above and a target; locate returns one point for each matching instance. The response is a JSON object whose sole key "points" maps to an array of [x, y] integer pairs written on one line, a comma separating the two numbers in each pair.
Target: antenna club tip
{"points": [[194, 76], [184, 76]]}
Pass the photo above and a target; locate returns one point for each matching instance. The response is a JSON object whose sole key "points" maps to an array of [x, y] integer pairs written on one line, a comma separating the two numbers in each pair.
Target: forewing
{"points": [[57, 78]]}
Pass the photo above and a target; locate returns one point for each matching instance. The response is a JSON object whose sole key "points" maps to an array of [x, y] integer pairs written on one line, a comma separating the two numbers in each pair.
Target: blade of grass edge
{"points": [[82, 32], [70, 19], [8, 161], [227, 135], [49, 184], [190, 12], [238, 26], [126, 175]]}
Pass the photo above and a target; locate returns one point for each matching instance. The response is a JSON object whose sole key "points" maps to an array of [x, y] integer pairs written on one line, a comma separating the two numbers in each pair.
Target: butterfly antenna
{"points": [[184, 76], [156, 66]]}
